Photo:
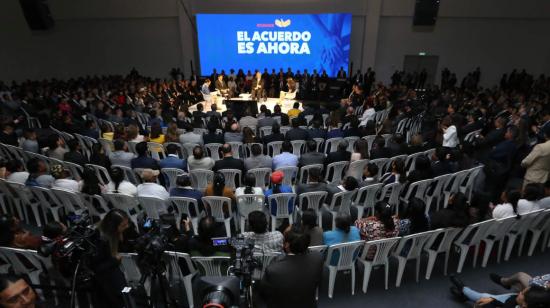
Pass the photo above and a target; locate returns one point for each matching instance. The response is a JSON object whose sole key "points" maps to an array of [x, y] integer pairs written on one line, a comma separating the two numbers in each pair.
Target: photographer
{"points": [[109, 279], [293, 280]]}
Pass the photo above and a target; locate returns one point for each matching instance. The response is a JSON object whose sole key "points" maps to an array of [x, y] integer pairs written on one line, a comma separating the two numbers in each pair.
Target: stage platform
{"points": [[270, 103]]}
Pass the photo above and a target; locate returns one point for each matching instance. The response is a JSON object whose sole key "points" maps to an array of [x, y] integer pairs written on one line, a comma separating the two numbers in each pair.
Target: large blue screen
{"points": [[250, 42]]}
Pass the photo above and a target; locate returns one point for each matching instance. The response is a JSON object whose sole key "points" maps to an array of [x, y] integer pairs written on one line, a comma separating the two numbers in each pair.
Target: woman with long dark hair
{"points": [[343, 233], [90, 183], [508, 206], [218, 188], [397, 173], [455, 215], [415, 219], [98, 156], [379, 226], [119, 184], [360, 150]]}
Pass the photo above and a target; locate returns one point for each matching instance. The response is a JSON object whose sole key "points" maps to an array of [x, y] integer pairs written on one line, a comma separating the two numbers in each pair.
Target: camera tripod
{"points": [[156, 274]]}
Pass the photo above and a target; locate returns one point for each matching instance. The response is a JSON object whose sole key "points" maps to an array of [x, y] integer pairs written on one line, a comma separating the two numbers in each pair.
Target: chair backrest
{"points": [[290, 172], [357, 167], [71, 200], [379, 162], [281, 201], [44, 195], [468, 181], [248, 148], [370, 140], [383, 249], [75, 170], [335, 171], [265, 130], [213, 149], [200, 178], [172, 175], [304, 172], [319, 142], [320, 249], [215, 206], [173, 261], [128, 204], [130, 268], [411, 246], [23, 261], [249, 203], [347, 254], [331, 145], [108, 145], [132, 146], [341, 202], [236, 148], [262, 176], [313, 200], [419, 188], [101, 173], [473, 233], [284, 129], [187, 148], [129, 174], [232, 177], [410, 163], [183, 205], [212, 266], [351, 142], [182, 149], [391, 192], [298, 147], [523, 224], [438, 184], [471, 135], [156, 150], [501, 228], [274, 148], [366, 195], [458, 179], [153, 206]]}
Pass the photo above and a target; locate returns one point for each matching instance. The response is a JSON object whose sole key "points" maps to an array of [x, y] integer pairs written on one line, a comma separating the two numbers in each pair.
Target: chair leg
{"points": [[273, 223], [446, 267], [387, 273], [534, 241], [522, 243], [400, 269], [463, 254], [510, 246], [242, 229], [487, 252], [366, 275], [545, 241], [418, 267], [360, 210], [331, 280], [476, 254], [187, 281], [499, 252], [432, 256], [227, 228], [36, 213], [353, 280]]}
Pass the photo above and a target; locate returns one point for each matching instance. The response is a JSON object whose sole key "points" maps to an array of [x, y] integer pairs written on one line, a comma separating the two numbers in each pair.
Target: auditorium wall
{"points": [[112, 36]]}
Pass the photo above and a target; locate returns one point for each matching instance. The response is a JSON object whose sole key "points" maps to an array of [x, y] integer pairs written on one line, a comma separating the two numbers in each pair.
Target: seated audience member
{"points": [[30, 144], [90, 129], [296, 133], [370, 175], [422, 170], [213, 112], [311, 157], [415, 219], [278, 187], [281, 118], [172, 159], [264, 241], [397, 145], [416, 144], [508, 206], [286, 158], [8, 135], [212, 136], [120, 156], [149, 187], [15, 172], [228, 161], [156, 134], [56, 147], [234, 134], [314, 183], [397, 173], [349, 183], [379, 226], [15, 292], [334, 130], [248, 121], [316, 131], [90, 184], [293, 280], [379, 149], [341, 154], [132, 134], [63, 180], [249, 186], [310, 227], [257, 159], [360, 150], [441, 162], [454, 215], [266, 120], [544, 203], [201, 244], [530, 297], [249, 136], [295, 111], [532, 193], [274, 136], [172, 134], [143, 160], [184, 189], [199, 161], [74, 155], [189, 136], [537, 163], [119, 184], [99, 158], [353, 130], [38, 174], [13, 235], [218, 188], [343, 233]]}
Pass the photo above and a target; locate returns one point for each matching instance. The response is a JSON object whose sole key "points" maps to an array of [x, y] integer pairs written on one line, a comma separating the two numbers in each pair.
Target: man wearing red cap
{"points": [[276, 188]]}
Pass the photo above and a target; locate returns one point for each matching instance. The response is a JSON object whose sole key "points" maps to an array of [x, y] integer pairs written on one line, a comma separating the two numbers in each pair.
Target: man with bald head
{"points": [[234, 134], [228, 161]]}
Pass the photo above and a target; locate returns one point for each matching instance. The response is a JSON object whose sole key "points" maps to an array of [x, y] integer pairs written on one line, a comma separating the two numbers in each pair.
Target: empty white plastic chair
{"points": [[331, 145], [298, 147], [236, 148], [284, 205], [274, 148], [184, 205], [312, 200], [126, 203], [72, 202], [24, 196], [356, 168], [347, 254], [262, 176], [410, 247], [437, 193], [418, 188], [440, 241], [220, 209], [232, 177], [48, 201], [213, 149], [289, 174], [153, 206], [172, 175], [383, 248], [519, 231], [351, 142], [200, 178], [539, 226], [366, 198], [471, 236], [496, 234], [335, 172]]}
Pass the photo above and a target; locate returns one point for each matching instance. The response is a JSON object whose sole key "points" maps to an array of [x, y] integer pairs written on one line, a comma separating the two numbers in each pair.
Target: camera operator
{"points": [[109, 279], [292, 281], [201, 244]]}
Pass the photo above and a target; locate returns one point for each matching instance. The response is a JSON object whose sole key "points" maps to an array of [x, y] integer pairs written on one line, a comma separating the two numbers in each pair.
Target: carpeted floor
{"points": [[427, 293]]}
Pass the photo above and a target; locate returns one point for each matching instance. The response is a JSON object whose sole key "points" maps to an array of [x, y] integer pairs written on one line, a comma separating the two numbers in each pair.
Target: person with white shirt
{"points": [[509, 204], [62, 179], [531, 195], [15, 172], [368, 113], [450, 136], [150, 188], [544, 203], [249, 187], [119, 184]]}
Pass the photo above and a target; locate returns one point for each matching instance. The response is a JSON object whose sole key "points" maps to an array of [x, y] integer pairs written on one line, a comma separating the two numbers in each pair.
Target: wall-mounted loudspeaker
{"points": [[425, 12], [37, 13]]}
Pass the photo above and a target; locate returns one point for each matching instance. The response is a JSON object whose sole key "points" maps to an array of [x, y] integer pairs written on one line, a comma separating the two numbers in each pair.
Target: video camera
{"points": [[152, 245]]}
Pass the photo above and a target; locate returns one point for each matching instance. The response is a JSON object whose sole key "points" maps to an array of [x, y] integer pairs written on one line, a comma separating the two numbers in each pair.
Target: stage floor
{"points": [[270, 103]]}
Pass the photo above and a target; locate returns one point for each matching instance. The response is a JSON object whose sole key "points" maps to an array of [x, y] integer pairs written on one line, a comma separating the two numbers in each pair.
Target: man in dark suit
{"points": [[143, 161], [228, 161], [275, 135], [314, 183], [258, 90], [172, 159], [341, 154], [440, 162], [379, 149], [74, 156], [292, 281], [222, 87], [184, 189], [316, 131], [312, 157], [296, 133]]}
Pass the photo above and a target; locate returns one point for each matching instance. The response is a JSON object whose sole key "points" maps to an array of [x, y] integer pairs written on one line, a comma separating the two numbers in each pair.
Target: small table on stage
{"points": [[239, 105]]}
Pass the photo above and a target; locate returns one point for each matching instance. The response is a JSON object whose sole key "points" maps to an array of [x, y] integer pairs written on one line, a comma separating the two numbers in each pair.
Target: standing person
{"points": [[293, 280], [450, 135], [258, 87], [537, 163]]}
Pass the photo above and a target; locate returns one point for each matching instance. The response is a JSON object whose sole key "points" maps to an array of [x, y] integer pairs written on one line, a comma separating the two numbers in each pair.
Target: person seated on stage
{"points": [[222, 87], [291, 94], [257, 87], [205, 89]]}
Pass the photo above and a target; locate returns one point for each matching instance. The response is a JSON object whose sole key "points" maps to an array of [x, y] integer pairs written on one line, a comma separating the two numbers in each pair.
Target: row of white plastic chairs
{"points": [[506, 232]]}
